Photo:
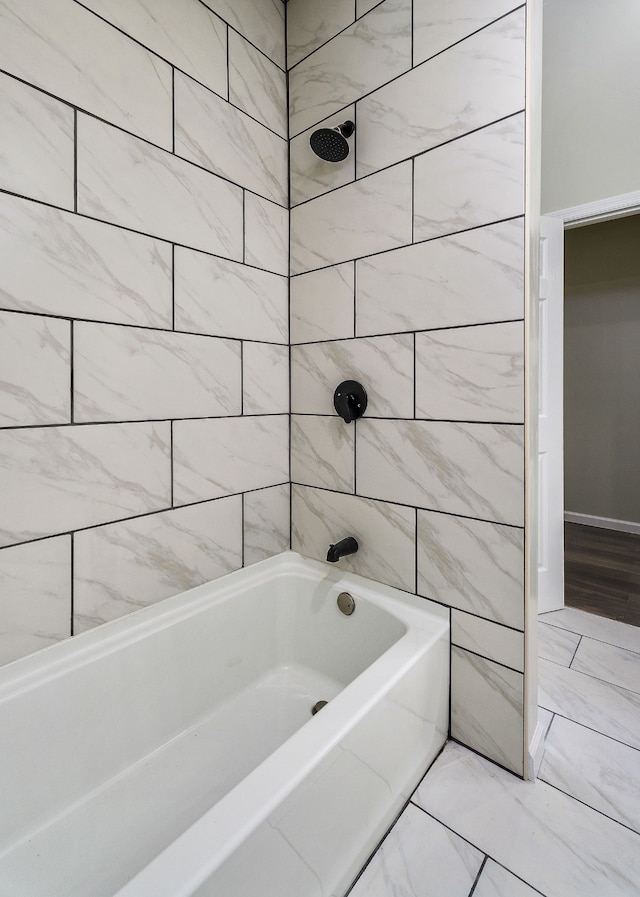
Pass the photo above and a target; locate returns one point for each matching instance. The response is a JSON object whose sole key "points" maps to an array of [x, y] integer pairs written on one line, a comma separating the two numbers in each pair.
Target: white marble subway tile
{"points": [[322, 304], [128, 182], [487, 707], [471, 278], [57, 479], [471, 373], [322, 452], [188, 35], [616, 665], [363, 6], [476, 470], [367, 216], [224, 140], [35, 598], [598, 705], [220, 457], [266, 522], [437, 24], [59, 263], [256, 85], [582, 623], [473, 84], [472, 565], [385, 534], [261, 23], [311, 24], [128, 373], [474, 180], [35, 370], [555, 644], [72, 54], [312, 176], [225, 298], [384, 365], [518, 823], [420, 850], [505, 646], [367, 54], [36, 144], [265, 378], [125, 566], [266, 234], [594, 769]]}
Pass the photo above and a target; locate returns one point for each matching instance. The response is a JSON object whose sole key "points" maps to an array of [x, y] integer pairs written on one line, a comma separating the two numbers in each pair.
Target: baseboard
{"points": [[536, 750], [623, 526]]}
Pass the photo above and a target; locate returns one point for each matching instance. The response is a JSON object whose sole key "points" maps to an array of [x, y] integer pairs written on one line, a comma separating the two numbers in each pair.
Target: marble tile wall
{"points": [[144, 357], [407, 273]]}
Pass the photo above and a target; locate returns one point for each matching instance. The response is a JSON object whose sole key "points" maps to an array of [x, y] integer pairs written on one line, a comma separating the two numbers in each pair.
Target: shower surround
{"points": [[144, 406], [144, 213], [407, 264]]}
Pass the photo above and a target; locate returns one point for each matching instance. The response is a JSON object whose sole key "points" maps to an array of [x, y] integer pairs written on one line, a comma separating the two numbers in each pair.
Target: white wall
{"points": [[590, 121], [602, 369], [144, 377]]}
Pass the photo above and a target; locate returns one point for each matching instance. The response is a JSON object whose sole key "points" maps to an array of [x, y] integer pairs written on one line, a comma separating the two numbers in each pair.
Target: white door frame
{"points": [[591, 212]]}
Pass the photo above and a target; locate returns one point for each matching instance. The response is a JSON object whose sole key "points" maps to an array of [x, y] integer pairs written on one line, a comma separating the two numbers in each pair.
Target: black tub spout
{"points": [[341, 548]]}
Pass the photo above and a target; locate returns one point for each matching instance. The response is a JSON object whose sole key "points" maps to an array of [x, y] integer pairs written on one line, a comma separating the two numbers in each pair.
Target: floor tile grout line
{"points": [[487, 855], [575, 652], [589, 806], [557, 713], [592, 637], [615, 685], [477, 878]]}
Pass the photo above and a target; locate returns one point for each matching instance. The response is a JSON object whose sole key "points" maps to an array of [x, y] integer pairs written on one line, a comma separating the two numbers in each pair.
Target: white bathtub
{"points": [[173, 752]]}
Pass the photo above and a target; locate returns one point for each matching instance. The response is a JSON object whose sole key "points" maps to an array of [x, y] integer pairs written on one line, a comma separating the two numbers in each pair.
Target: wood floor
{"points": [[602, 572]]}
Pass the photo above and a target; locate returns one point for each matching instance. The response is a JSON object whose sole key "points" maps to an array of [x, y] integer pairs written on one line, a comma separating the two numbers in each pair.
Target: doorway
{"points": [[595, 287]]}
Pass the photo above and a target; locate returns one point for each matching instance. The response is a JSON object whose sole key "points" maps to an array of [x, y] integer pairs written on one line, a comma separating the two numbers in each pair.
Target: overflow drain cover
{"points": [[346, 603], [317, 706]]}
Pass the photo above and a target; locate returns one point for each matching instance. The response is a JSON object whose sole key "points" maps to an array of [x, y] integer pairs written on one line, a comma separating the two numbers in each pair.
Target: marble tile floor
{"points": [[473, 829]]}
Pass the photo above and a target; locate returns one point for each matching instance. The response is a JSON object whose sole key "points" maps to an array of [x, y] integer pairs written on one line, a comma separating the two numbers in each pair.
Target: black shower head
{"points": [[331, 143]]}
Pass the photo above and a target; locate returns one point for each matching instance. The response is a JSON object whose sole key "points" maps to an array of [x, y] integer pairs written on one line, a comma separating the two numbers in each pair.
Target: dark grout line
{"points": [[71, 378], [419, 420], [410, 158], [575, 652], [146, 420], [412, 507], [447, 236], [370, 336], [484, 657], [163, 510], [140, 233], [71, 584], [168, 330], [541, 619], [171, 462], [590, 806], [568, 719], [173, 109], [75, 161], [228, 70], [146, 140], [477, 878], [413, 67]]}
